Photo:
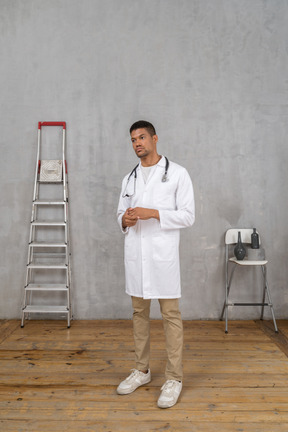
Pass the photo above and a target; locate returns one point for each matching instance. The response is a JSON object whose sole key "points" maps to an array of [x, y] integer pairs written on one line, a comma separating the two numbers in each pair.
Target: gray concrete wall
{"points": [[210, 74]]}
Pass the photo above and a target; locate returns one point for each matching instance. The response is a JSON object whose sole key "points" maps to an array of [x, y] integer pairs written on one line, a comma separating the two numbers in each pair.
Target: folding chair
{"points": [[231, 263]]}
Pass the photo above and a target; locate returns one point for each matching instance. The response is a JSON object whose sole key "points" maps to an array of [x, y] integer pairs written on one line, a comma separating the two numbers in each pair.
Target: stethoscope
{"points": [[134, 172]]}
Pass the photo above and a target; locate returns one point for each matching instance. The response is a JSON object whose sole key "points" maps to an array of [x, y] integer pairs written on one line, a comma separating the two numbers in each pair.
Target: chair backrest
{"points": [[231, 236]]}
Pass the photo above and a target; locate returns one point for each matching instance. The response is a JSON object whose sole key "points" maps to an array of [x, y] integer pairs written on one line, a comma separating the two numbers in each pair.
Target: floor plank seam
{"points": [[8, 333], [278, 338]]}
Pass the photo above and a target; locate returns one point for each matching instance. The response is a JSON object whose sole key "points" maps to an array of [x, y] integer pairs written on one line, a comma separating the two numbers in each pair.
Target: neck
{"points": [[150, 160]]}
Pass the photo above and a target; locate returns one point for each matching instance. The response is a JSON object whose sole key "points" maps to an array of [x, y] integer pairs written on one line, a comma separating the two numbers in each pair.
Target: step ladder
{"points": [[48, 273]]}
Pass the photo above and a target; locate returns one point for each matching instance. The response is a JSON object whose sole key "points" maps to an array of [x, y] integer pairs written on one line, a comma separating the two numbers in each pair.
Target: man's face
{"points": [[143, 143]]}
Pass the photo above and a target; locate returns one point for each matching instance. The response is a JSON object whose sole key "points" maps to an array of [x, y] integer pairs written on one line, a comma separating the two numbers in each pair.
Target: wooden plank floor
{"points": [[58, 379]]}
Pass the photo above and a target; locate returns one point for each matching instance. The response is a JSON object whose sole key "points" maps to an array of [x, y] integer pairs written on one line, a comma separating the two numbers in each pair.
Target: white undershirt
{"points": [[145, 172]]}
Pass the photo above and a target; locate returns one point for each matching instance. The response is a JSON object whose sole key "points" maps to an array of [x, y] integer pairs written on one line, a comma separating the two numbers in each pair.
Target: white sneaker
{"points": [[170, 393], [133, 381]]}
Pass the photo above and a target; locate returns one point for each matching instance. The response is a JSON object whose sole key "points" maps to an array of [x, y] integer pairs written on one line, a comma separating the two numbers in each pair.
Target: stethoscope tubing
{"points": [[134, 171]]}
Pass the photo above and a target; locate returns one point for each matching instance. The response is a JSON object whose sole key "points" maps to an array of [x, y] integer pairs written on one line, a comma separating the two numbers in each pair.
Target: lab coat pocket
{"points": [[164, 196], [165, 247], [130, 247]]}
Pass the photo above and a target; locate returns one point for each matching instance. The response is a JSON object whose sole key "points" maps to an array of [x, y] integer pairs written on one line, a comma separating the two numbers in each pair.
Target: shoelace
{"points": [[133, 374], [168, 386]]}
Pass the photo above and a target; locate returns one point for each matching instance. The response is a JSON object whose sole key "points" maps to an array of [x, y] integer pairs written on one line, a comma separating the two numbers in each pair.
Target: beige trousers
{"points": [[173, 329]]}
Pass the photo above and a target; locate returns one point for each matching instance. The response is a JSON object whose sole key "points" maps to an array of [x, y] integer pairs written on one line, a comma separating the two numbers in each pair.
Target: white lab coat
{"points": [[151, 254]]}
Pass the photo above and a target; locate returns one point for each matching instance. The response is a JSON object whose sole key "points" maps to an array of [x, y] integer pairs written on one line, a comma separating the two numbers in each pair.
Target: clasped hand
{"points": [[132, 215]]}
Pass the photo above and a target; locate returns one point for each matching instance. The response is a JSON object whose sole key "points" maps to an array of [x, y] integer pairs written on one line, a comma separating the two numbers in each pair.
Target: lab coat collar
{"points": [[161, 163]]}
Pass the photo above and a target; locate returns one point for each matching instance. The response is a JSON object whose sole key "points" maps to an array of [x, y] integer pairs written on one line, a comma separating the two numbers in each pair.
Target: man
{"points": [[156, 201]]}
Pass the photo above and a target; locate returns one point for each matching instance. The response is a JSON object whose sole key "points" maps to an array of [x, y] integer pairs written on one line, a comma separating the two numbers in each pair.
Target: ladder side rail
{"points": [[70, 290], [68, 282], [64, 166], [65, 197], [69, 254], [37, 164], [68, 224], [65, 211], [67, 239], [33, 227], [35, 198], [29, 271], [68, 294], [30, 252], [68, 260]]}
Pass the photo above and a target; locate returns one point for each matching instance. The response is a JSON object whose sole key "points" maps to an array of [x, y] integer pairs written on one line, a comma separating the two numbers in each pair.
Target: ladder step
{"points": [[46, 287], [57, 257], [47, 266], [50, 181], [48, 202], [48, 223], [48, 244], [45, 309]]}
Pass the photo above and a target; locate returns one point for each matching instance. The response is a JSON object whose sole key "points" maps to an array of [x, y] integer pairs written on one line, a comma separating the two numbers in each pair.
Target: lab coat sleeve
{"points": [[123, 204], [184, 214]]}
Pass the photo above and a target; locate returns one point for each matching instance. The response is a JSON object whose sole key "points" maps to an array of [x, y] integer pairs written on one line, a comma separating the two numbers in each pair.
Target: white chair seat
{"points": [[247, 262]]}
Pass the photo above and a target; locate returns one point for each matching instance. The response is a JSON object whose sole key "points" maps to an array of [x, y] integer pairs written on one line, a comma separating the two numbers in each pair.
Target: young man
{"points": [[156, 201]]}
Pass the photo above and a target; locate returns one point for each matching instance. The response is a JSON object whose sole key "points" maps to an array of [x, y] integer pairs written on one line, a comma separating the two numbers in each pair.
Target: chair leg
{"points": [[226, 308], [224, 305], [269, 298], [227, 291], [226, 319], [264, 293]]}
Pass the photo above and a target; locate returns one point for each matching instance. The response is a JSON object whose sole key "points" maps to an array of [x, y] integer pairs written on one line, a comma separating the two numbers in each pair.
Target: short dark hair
{"points": [[143, 124]]}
